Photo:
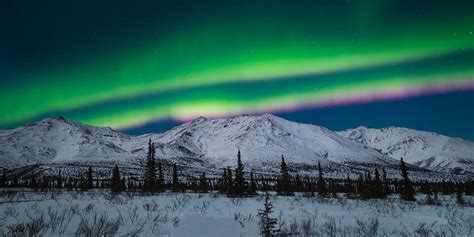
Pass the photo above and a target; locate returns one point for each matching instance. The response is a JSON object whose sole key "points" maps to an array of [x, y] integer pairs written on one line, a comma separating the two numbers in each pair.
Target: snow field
{"points": [[190, 214]]}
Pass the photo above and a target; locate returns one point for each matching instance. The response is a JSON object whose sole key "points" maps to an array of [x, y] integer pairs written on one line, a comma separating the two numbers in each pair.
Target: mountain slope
{"points": [[209, 145], [424, 149], [265, 138], [56, 140], [261, 139]]}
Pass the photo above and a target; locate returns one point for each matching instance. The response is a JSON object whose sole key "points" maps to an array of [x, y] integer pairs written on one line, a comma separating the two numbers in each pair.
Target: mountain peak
{"points": [[262, 139], [198, 120], [425, 149], [59, 119]]}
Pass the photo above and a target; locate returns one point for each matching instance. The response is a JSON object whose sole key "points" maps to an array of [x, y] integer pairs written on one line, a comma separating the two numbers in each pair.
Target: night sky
{"points": [[145, 66]]}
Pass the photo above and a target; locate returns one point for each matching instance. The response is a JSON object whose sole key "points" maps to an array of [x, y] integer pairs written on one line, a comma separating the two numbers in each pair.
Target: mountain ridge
{"points": [[262, 139], [424, 149]]}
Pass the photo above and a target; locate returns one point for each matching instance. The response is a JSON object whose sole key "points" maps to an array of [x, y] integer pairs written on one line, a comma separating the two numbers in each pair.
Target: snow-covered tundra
{"points": [[97, 213]]}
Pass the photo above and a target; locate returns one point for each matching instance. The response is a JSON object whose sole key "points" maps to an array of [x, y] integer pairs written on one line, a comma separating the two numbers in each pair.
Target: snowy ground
{"points": [[190, 214]]}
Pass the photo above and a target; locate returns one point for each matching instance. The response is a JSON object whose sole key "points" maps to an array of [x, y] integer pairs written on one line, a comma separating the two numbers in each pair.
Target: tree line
{"points": [[234, 182]]}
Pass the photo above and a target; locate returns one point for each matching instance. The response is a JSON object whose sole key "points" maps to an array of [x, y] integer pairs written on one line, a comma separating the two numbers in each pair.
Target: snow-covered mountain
{"points": [[211, 144], [264, 139], [424, 149], [261, 139], [57, 140]]}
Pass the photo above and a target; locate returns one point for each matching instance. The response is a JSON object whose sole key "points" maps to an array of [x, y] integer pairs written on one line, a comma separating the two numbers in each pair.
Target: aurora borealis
{"points": [[126, 64]]}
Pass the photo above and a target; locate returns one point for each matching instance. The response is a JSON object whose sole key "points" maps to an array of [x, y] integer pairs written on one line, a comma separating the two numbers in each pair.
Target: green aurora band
{"points": [[252, 61]]}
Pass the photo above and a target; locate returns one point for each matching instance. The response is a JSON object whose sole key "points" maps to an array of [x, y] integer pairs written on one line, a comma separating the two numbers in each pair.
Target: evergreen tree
{"points": [[378, 187], [14, 182], [386, 187], [45, 183], [59, 180], [407, 192], [349, 186], [90, 180], [267, 223], [130, 185], [468, 187], [424, 187], [283, 184], [459, 196], [252, 187], [265, 185], [69, 184], [239, 182], [194, 186], [33, 183], [298, 184], [161, 180], [175, 184], [149, 179], [309, 187], [321, 185], [203, 184], [332, 189], [83, 183], [115, 181], [362, 187], [3, 181], [230, 184], [223, 182]]}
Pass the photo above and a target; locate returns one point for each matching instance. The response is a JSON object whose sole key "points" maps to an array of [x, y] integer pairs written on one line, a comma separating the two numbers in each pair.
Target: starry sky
{"points": [[145, 66]]}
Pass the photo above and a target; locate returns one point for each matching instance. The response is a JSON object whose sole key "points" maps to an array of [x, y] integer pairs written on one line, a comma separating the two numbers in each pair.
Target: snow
{"points": [[425, 149], [185, 214], [261, 139], [266, 138], [211, 144]]}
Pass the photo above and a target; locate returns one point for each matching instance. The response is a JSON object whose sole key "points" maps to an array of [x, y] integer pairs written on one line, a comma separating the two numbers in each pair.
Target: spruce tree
{"points": [[203, 184], [130, 186], [33, 183], [230, 183], [468, 187], [298, 185], [90, 180], [283, 185], [267, 223], [3, 181], [459, 195], [175, 184], [378, 187], [15, 181], [308, 187], [59, 180], [83, 183], [69, 184], [407, 192], [349, 186], [115, 181], [161, 180], [149, 175], [360, 187], [239, 182], [386, 187], [45, 183], [332, 189], [252, 187], [223, 183], [265, 186], [321, 185]]}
